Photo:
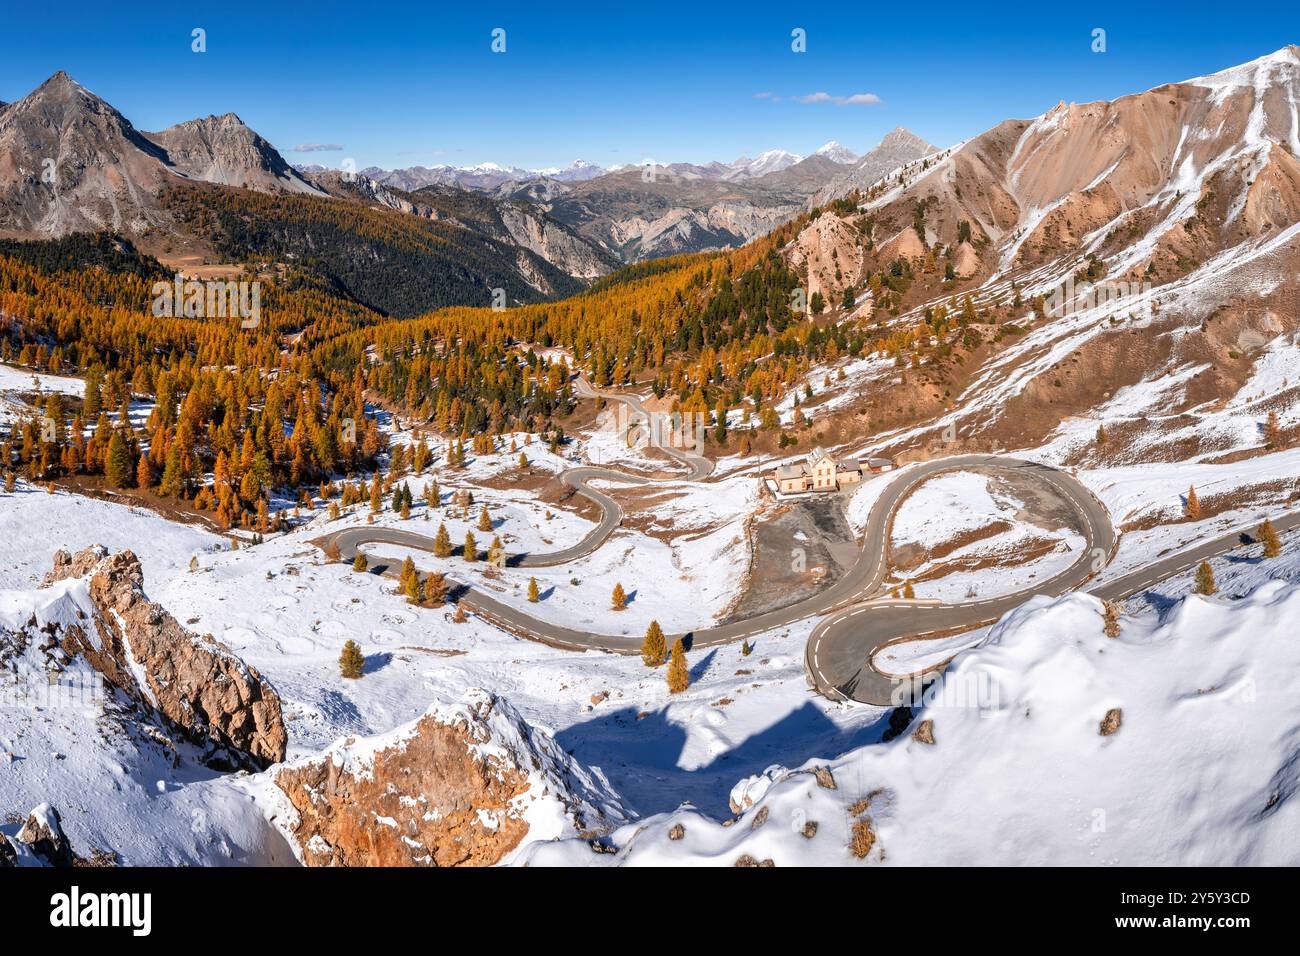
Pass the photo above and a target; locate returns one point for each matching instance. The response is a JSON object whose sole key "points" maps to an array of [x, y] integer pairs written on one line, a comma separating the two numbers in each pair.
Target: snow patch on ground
{"points": [[958, 503], [35, 524]]}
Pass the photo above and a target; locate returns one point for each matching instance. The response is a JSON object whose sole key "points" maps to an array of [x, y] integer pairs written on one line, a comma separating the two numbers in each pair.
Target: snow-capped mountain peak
{"points": [[837, 153], [489, 167], [768, 161], [772, 161]]}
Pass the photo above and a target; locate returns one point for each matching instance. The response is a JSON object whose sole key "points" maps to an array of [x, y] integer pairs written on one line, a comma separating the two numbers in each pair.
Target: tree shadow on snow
{"points": [[1160, 603], [701, 667], [340, 710], [641, 757]]}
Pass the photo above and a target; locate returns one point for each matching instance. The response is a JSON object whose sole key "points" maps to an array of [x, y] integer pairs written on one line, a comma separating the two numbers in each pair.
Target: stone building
{"points": [[820, 472]]}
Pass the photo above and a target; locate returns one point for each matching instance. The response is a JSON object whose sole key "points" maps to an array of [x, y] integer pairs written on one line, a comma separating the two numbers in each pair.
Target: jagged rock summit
{"points": [[462, 785], [196, 683]]}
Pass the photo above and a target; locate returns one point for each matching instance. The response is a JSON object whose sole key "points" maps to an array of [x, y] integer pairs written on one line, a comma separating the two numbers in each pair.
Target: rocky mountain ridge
{"points": [[1129, 263], [195, 683], [466, 784]]}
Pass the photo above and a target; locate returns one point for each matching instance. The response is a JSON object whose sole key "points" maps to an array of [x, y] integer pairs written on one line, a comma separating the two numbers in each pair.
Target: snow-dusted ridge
{"points": [[1192, 768]]}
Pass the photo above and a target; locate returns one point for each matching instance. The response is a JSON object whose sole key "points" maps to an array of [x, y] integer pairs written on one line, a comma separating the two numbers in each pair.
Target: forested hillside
{"points": [[394, 263], [284, 405]]}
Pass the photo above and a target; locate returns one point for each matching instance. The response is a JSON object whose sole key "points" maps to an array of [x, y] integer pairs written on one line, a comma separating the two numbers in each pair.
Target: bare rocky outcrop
{"points": [[924, 733], [463, 785], [1111, 722], [828, 251], [197, 683], [221, 149], [42, 834]]}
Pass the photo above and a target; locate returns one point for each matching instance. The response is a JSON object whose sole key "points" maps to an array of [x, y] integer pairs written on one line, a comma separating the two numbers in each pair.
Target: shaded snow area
{"points": [[1053, 745], [963, 534], [1236, 574]]}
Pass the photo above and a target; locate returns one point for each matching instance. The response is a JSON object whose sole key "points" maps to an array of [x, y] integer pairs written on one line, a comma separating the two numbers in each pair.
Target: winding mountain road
{"points": [[699, 466], [611, 515], [839, 652]]}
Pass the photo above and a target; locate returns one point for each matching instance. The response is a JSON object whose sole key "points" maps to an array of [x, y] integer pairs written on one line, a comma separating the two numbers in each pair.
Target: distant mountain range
{"points": [[646, 210], [492, 176], [188, 195]]}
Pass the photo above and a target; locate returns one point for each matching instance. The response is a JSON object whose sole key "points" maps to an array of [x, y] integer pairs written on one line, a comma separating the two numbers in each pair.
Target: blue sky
{"points": [[397, 84]]}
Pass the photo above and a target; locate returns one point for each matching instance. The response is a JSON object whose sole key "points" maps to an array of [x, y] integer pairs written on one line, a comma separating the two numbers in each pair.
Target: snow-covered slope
{"points": [[1051, 744]]}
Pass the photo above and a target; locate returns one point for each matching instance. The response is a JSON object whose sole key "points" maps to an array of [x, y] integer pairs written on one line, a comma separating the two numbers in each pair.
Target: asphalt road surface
{"points": [[838, 655], [611, 515], [699, 466]]}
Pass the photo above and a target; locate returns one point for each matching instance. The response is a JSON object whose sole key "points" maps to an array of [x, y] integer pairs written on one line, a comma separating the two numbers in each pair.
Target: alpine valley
{"points": [[932, 505]]}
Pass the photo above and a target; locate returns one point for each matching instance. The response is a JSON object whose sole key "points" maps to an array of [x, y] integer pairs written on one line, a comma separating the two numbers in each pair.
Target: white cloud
{"points": [[853, 99], [856, 99], [316, 147]]}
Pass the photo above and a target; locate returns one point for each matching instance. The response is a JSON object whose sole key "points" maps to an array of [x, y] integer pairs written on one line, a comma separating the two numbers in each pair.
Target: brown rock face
{"points": [[42, 833], [924, 733], [451, 789], [1110, 723], [196, 682]]}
